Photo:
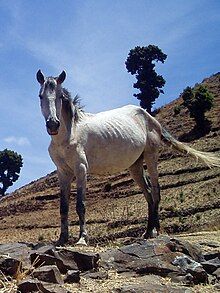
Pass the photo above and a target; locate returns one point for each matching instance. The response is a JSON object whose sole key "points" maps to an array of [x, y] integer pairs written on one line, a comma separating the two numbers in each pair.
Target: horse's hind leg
{"points": [[137, 173], [151, 159]]}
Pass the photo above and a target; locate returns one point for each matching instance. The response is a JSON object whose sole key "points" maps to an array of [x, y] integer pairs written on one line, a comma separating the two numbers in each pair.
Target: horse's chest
{"points": [[63, 156]]}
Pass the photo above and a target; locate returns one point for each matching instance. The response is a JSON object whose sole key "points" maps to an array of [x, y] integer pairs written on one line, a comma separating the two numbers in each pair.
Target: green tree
{"points": [[141, 62], [198, 101], [10, 167]]}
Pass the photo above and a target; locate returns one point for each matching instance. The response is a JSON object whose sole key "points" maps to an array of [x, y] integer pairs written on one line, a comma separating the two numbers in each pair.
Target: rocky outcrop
{"points": [[48, 268]]}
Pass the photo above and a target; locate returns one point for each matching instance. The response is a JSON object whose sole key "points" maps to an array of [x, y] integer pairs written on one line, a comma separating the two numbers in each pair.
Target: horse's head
{"points": [[51, 100]]}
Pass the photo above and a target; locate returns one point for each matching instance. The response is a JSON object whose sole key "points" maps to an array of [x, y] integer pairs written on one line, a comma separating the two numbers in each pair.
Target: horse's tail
{"points": [[209, 159]]}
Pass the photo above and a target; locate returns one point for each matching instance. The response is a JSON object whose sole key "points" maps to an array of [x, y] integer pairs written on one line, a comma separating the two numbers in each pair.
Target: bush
{"points": [[198, 101]]}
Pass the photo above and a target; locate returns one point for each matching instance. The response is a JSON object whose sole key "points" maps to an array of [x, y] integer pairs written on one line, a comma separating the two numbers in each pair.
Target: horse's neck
{"points": [[63, 135]]}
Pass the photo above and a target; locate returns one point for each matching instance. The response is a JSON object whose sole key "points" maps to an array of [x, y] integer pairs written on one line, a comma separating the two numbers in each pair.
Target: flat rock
{"points": [[49, 274], [34, 285], [211, 254], [17, 250], [211, 265], [102, 275], [150, 284]]}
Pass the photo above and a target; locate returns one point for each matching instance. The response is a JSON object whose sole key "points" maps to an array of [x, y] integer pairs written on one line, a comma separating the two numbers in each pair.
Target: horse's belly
{"points": [[113, 162]]}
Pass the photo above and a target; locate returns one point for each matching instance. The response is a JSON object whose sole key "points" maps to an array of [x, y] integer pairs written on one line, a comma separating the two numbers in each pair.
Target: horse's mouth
{"points": [[52, 132]]}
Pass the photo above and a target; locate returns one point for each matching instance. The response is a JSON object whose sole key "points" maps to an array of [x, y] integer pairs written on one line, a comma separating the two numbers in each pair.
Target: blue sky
{"points": [[91, 39]]}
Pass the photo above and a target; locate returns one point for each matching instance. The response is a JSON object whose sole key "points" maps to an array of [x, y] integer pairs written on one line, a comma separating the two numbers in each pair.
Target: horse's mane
{"points": [[71, 105]]}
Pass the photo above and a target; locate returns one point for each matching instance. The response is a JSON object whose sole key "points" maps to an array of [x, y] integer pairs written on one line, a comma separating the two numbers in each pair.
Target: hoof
{"points": [[81, 242], [151, 234]]}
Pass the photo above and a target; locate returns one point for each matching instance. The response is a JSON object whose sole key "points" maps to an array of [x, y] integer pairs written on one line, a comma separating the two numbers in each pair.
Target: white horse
{"points": [[103, 143]]}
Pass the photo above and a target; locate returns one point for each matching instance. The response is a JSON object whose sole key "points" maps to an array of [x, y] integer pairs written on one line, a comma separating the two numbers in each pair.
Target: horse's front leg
{"points": [[65, 186], [81, 176]]}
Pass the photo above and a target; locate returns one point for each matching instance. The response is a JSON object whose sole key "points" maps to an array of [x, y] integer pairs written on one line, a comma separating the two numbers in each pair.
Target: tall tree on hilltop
{"points": [[10, 167], [141, 62]]}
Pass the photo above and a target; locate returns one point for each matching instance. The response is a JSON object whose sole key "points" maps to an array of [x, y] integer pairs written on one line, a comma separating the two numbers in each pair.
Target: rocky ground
{"points": [[163, 264]]}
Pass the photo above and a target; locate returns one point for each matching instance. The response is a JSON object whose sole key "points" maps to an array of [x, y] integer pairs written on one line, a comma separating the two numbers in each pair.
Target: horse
{"points": [[104, 143]]}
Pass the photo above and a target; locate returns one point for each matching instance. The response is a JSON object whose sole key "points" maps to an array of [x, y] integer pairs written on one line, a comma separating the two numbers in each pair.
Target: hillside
{"points": [[115, 206]]}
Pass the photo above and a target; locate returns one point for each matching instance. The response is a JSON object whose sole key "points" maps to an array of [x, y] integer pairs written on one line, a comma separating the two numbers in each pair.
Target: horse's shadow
{"points": [[197, 132]]}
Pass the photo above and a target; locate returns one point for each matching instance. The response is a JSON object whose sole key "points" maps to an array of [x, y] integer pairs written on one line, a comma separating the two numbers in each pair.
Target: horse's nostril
{"points": [[52, 124]]}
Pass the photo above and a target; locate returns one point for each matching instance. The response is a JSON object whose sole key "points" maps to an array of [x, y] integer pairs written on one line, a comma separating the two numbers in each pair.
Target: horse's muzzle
{"points": [[52, 126]]}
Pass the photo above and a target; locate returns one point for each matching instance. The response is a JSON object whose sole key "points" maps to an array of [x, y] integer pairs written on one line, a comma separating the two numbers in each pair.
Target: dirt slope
{"points": [[115, 206]]}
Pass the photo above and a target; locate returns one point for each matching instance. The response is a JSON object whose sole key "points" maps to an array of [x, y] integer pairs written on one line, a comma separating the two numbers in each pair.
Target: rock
{"points": [[49, 274], [31, 285], [9, 266], [102, 275], [211, 254], [187, 248], [84, 261], [46, 259], [216, 273], [19, 251], [34, 285], [211, 265], [159, 265], [184, 279], [72, 276], [189, 266]]}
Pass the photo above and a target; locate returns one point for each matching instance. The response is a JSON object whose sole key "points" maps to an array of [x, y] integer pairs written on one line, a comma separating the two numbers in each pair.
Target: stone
{"points": [[84, 261], [9, 266], [46, 259], [184, 279], [17, 250], [190, 266], [187, 248], [216, 273], [211, 254], [102, 275], [34, 285], [72, 276], [31, 285], [49, 274], [211, 265], [149, 288]]}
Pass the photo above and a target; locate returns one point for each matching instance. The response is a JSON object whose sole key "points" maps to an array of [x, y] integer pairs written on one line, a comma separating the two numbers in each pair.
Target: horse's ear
{"points": [[40, 77], [60, 79]]}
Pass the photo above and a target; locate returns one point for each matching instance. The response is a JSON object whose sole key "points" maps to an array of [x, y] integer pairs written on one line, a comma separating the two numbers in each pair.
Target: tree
{"points": [[141, 62], [198, 101], [10, 167]]}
